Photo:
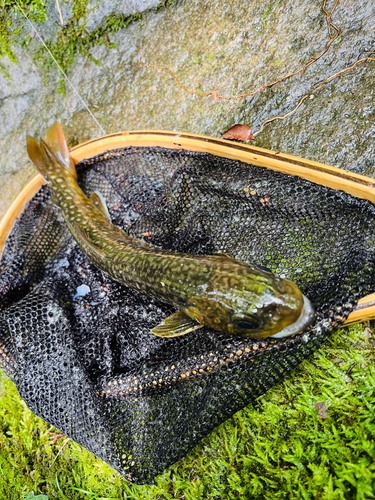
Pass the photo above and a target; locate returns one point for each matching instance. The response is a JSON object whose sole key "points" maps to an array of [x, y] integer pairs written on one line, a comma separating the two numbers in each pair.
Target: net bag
{"points": [[88, 364]]}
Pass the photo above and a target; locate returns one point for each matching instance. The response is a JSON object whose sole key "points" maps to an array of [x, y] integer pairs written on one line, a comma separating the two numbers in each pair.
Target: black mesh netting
{"points": [[89, 364]]}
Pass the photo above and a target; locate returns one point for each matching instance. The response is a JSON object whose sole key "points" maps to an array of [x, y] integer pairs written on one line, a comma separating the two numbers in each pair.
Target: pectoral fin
{"points": [[98, 199], [175, 325]]}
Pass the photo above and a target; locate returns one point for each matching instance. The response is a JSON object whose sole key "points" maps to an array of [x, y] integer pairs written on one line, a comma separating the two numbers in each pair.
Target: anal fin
{"points": [[175, 325]]}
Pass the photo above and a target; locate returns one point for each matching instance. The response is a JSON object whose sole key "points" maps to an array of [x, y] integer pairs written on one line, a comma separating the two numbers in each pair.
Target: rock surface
{"points": [[229, 46], [99, 10]]}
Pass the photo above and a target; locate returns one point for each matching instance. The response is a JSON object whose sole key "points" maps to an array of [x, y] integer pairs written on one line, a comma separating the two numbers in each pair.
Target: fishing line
{"points": [[60, 68]]}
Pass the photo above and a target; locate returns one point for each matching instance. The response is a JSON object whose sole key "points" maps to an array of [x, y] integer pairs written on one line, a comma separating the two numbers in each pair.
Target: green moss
{"points": [[276, 449], [164, 4], [12, 23], [73, 38]]}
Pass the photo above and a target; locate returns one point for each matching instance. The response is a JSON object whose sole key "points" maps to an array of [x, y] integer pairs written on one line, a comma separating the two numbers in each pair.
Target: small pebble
{"points": [[82, 290], [63, 263]]}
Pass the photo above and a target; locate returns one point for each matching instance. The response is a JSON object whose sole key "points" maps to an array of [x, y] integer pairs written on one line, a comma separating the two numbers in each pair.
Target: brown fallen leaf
{"points": [[322, 410], [55, 436], [239, 132], [215, 97]]}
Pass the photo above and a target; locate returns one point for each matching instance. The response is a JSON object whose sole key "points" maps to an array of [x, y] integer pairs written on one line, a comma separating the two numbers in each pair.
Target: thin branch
{"points": [[60, 450], [60, 13], [217, 97], [329, 79]]}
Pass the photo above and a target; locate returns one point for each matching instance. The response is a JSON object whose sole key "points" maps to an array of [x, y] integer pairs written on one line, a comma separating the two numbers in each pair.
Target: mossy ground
{"points": [[278, 449]]}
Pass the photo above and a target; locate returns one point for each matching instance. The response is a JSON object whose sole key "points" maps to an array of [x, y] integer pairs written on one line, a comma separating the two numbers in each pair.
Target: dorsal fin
{"points": [[98, 199]]}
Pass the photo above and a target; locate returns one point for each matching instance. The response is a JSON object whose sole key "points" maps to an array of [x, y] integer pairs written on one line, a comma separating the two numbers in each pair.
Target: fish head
{"points": [[251, 302]]}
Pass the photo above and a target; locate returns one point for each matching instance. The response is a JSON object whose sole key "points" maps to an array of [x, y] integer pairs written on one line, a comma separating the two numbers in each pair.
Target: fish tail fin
{"points": [[50, 155]]}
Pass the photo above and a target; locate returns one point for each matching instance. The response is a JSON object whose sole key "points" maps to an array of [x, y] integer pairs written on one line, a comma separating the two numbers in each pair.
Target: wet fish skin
{"points": [[212, 290]]}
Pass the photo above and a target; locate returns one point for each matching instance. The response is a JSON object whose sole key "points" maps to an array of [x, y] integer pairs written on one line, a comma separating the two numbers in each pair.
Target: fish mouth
{"points": [[304, 320]]}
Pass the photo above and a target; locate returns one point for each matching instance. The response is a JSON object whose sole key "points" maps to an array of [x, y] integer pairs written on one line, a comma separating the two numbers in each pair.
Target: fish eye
{"points": [[246, 325], [245, 322]]}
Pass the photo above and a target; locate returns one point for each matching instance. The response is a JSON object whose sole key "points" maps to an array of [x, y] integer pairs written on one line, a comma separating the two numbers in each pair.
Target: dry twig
{"points": [[217, 97], [332, 77], [60, 13], [60, 450], [55, 436]]}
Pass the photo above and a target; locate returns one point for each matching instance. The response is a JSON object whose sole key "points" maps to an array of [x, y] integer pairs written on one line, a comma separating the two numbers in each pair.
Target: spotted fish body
{"points": [[209, 290]]}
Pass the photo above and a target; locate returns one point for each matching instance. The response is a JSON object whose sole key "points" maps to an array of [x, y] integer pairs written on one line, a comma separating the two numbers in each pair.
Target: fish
{"points": [[215, 291]]}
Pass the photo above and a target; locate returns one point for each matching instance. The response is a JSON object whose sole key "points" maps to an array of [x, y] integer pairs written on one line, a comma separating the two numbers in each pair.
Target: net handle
{"points": [[336, 178], [354, 184]]}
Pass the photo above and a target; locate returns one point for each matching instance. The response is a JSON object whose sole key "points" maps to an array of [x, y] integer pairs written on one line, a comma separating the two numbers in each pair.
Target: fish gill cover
{"points": [[78, 346]]}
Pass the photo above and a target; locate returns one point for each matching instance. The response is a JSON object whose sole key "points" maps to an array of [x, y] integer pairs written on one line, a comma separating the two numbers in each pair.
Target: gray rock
{"points": [[99, 10], [229, 46], [50, 28]]}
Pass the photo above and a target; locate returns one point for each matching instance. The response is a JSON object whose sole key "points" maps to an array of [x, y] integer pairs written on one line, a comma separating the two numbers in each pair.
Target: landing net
{"points": [[89, 364]]}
